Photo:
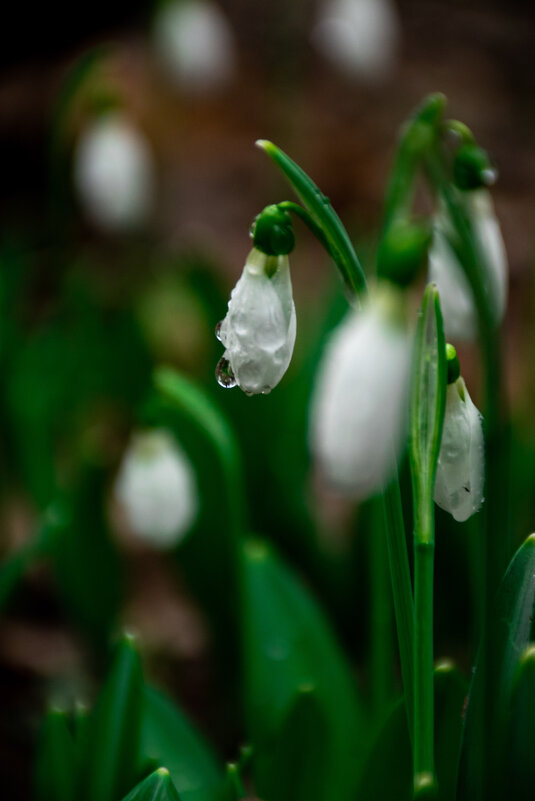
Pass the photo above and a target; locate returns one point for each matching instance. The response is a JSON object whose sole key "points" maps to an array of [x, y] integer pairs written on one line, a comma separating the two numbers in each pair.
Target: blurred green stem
{"points": [[382, 655]]}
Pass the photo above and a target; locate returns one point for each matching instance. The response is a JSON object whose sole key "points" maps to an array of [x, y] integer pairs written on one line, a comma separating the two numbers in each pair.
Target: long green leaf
{"points": [[520, 740], [288, 645], [167, 737], [156, 787], [111, 764], [55, 761], [507, 639]]}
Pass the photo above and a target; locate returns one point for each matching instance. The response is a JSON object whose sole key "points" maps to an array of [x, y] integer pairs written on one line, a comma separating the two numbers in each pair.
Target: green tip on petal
{"points": [[454, 367], [273, 232]]}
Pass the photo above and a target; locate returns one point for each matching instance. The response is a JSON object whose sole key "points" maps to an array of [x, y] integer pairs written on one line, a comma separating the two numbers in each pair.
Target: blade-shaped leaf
{"points": [[111, 763], [167, 737], [506, 641], [451, 688], [288, 644], [520, 740], [156, 787], [291, 767], [55, 761]]}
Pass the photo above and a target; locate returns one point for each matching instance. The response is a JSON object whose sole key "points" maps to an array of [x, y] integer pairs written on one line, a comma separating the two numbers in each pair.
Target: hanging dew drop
{"points": [[218, 330], [224, 375]]}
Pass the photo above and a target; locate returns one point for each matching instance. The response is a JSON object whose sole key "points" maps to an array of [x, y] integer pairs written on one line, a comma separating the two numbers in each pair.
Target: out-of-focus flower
{"points": [[460, 317], [360, 37], [259, 329], [460, 468], [358, 414], [114, 173], [156, 489], [195, 44]]}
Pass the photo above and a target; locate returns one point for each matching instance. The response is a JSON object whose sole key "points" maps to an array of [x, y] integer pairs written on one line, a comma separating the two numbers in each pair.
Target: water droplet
{"points": [[266, 390], [218, 330], [225, 376]]}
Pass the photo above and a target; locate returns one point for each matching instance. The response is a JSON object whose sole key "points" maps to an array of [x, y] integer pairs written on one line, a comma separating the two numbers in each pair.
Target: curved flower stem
{"points": [[493, 543]]}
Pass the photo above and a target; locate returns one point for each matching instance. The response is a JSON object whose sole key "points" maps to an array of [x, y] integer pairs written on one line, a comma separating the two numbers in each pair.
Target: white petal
{"points": [[114, 173], [259, 329], [156, 489], [195, 44], [460, 318], [359, 407], [359, 37], [460, 471]]}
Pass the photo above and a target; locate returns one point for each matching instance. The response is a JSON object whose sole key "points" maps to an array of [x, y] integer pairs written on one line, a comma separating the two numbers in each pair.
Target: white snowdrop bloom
{"points": [[460, 469], [156, 489], [259, 329], [358, 414], [359, 37], [114, 173], [460, 316], [195, 44]]}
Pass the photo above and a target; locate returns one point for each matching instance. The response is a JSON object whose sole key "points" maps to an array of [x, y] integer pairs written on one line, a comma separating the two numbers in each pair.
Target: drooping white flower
{"points": [[259, 329], [360, 37], [460, 470], [460, 317], [358, 414], [114, 173], [156, 489], [195, 44]]}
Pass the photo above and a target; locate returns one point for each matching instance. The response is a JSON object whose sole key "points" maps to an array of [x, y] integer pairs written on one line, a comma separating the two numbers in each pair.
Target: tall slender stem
{"points": [[382, 643], [424, 557]]}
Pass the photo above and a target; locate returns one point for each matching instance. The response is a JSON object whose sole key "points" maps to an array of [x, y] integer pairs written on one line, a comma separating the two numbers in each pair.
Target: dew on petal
{"points": [[218, 330], [224, 375]]}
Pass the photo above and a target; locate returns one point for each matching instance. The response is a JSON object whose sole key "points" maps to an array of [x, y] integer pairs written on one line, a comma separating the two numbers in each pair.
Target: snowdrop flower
{"points": [[259, 329], [358, 414], [460, 316], [156, 489], [114, 173], [195, 44], [360, 37], [460, 468]]}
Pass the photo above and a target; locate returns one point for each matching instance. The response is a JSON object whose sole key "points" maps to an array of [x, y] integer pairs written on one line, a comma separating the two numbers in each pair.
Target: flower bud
{"points": [[259, 329], [460, 469], [358, 415], [472, 168], [114, 173], [273, 232], [156, 489], [460, 316], [403, 251], [195, 44], [359, 37]]}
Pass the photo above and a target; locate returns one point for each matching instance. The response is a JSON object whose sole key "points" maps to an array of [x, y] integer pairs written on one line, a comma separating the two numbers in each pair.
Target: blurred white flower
{"points": [[156, 489], [460, 470], [358, 414], [259, 329], [460, 317], [195, 44], [114, 173], [360, 37]]}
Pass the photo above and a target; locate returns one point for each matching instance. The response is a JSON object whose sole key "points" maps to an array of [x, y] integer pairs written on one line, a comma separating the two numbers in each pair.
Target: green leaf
{"points": [[156, 787], [288, 645], [387, 771], [55, 761], [323, 214], [428, 401], [451, 688], [168, 737], [290, 766], [520, 740], [505, 643], [111, 765]]}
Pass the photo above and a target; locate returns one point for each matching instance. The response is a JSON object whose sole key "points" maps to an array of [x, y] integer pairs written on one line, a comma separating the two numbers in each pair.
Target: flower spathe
{"points": [[460, 317], [460, 469], [358, 414], [156, 489], [259, 329]]}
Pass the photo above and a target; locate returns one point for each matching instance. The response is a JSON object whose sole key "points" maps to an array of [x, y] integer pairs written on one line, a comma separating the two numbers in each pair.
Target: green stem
{"points": [[424, 555], [400, 578]]}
